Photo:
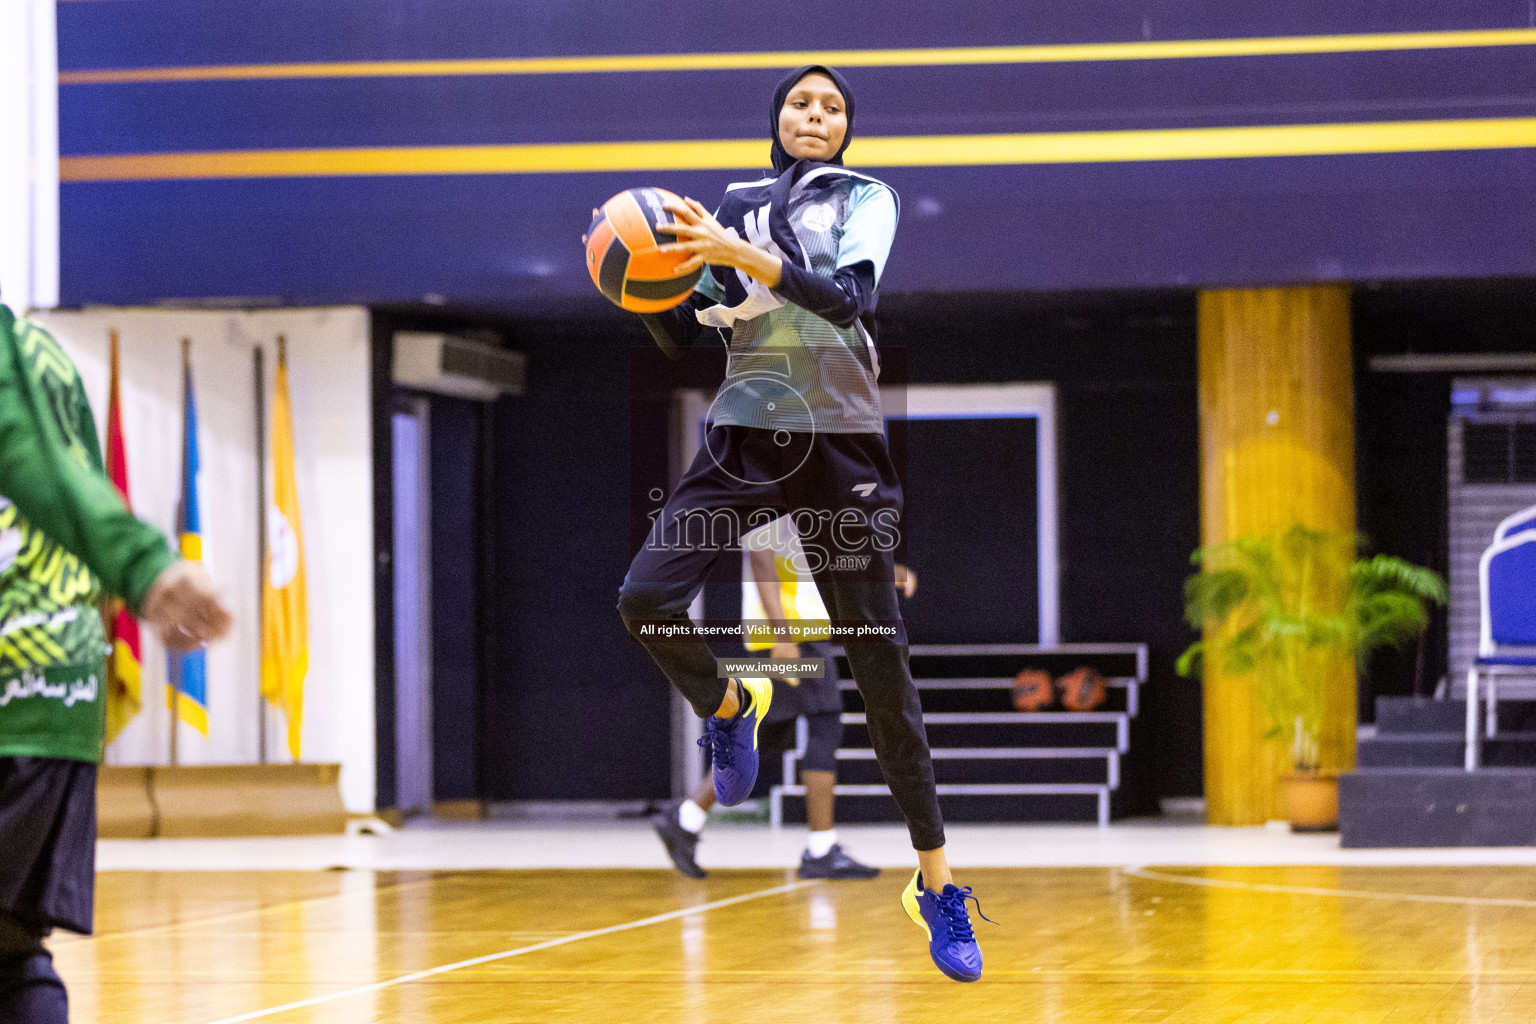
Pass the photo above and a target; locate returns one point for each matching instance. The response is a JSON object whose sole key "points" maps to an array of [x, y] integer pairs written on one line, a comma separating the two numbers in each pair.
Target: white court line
{"points": [[507, 954], [1299, 890]]}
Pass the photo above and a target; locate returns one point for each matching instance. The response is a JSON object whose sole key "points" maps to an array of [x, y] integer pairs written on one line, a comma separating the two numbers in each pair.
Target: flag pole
{"points": [[186, 366], [109, 607], [261, 548], [282, 364]]}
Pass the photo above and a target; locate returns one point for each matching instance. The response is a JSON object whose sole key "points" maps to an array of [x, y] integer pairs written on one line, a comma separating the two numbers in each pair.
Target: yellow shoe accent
{"points": [[909, 904], [761, 689]]}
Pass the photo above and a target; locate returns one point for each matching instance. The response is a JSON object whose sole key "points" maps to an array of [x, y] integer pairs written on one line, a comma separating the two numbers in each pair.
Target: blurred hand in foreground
{"points": [[185, 608]]}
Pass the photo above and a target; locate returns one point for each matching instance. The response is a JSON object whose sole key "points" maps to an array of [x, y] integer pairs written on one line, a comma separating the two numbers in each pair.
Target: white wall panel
{"points": [[29, 161], [329, 371]]}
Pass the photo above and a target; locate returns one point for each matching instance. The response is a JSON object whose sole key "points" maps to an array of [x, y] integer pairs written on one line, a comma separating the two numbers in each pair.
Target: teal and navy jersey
{"points": [[788, 367]]}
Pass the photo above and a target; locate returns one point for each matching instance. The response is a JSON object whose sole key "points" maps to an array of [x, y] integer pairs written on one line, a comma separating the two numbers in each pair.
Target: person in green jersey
{"points": [[66, 542]]}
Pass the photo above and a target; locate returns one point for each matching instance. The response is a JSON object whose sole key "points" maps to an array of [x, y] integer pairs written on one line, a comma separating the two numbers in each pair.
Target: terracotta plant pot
{"points": [[1312, 802]]}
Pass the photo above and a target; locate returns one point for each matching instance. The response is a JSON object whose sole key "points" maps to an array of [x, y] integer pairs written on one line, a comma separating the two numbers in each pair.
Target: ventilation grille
{"points": [[503, 370], [1498, 453], [457, 366]]}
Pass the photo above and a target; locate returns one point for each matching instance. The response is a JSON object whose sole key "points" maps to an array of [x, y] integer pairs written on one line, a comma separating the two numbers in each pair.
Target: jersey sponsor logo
{"points": [[42, 588], [53, 621], [819, 217], [865, 490], [40, 562], [83, 689]]}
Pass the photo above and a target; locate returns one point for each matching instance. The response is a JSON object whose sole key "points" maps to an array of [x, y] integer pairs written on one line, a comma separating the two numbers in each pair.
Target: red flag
{"points": [[124, 690]]}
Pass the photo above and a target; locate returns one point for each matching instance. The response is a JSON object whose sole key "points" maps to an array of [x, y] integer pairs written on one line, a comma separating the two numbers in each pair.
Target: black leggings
{"points": [[30, 989], [843, 483]]}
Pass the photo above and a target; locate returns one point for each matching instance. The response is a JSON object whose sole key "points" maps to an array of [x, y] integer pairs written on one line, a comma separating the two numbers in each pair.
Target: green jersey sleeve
{"points": [[50, 465]]}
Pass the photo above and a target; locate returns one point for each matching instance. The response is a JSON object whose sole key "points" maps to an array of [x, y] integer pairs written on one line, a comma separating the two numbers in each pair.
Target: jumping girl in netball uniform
{"points": [[793, 266]]}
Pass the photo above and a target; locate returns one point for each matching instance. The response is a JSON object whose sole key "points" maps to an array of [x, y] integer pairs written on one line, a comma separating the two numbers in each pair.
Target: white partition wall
{"points": [[329, 371], [29, 155], [1006, 401]]}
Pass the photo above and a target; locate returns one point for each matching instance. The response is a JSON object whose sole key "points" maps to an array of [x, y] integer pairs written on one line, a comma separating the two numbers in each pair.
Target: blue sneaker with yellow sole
{"points": [[732, 742], [944, 917]]}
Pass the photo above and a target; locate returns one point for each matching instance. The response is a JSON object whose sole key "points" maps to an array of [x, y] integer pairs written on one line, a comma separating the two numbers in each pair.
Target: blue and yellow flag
{"points": [[189, 672]]}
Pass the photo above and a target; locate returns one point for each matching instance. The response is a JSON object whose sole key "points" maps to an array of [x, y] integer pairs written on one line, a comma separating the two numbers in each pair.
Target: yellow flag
{"points": [[285, 606]]}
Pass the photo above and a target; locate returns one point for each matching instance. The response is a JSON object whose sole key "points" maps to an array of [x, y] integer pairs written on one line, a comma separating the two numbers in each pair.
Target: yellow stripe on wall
{"points": [[891, 151], [1066, 53]]}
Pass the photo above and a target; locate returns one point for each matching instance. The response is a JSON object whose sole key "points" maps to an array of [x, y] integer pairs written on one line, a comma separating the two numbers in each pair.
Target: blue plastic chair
{"points": [[1507, 645], [1521, 521]]}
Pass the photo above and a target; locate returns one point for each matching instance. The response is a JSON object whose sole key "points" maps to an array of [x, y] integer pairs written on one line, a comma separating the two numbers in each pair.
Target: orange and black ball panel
{"points": [[607, 259]]}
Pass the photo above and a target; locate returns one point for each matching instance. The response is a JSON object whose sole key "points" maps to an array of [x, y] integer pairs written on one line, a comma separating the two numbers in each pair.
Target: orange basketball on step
{"points": [[1082, 689], [1032, 690]]}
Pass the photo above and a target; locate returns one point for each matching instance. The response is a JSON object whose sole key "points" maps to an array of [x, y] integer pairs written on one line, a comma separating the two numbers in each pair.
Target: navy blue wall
{"points": [[456, 563], [501, 239], [572, 708], [149, 33]]}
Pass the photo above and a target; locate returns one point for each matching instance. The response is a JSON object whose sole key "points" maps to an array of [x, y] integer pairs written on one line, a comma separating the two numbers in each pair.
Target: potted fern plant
{"points": [[1277, 608]]}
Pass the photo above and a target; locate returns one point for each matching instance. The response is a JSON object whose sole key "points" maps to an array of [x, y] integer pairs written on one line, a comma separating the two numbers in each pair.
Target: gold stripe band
{"points": [[1067, 53], [891, 151]]}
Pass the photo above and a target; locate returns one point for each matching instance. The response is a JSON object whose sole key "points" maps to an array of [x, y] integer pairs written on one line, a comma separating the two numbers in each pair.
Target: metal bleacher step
{"points": [[1099, 792], [998, 760], [1443, 750], [1400, 715], [1119, 719], [1419, 715], [1411, 749], [1124, 690], [993, 762], [1437, 806]]}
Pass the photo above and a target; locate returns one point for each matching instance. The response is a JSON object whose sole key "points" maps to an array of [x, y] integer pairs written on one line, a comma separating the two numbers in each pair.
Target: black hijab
{"points": [[781, 158], [758, 209]]}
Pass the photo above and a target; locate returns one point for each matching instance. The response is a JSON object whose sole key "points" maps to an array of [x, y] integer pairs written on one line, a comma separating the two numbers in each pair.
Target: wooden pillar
{"points": [[1276, 448]]}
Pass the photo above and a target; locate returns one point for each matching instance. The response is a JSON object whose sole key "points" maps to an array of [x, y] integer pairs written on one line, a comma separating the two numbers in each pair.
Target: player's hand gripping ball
{"points": [[624, 257]]}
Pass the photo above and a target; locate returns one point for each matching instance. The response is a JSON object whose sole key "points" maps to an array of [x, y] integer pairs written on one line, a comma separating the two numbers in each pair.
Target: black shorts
{"points": [[48, 842], [824, 734]]}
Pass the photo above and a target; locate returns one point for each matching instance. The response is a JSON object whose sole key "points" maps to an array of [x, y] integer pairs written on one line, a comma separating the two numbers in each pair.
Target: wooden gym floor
{"points": [[1079, 945]]}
